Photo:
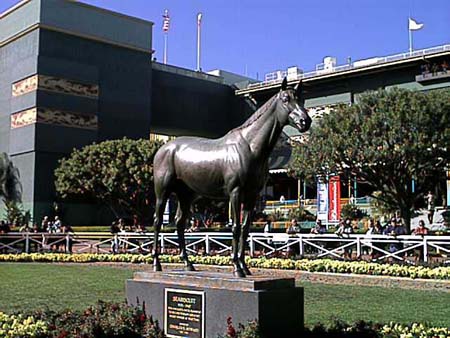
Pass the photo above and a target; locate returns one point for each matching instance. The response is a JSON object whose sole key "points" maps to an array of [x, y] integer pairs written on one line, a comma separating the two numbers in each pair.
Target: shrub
{"points": [[301, 214], [311, 265], [352, 211]]}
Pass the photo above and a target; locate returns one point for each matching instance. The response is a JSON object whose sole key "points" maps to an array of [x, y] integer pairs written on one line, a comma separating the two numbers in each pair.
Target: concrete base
{"points": [[275, 303]]}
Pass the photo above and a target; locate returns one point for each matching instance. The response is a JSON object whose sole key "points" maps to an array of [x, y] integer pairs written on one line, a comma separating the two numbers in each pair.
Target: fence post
{"points": [[252, 246], [425, 250], [68, 243], [27, 243], [358, 247], [207, 246], [162, 243], [301, 245]]}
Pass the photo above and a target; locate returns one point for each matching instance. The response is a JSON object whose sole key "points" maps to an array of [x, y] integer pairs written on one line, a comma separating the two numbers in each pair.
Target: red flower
{"points": [[231, 331], [143, 317]]}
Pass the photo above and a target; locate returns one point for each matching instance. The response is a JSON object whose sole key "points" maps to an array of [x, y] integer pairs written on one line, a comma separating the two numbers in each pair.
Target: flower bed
{"points": [[120, 320], [22, 326], [316, 265]]}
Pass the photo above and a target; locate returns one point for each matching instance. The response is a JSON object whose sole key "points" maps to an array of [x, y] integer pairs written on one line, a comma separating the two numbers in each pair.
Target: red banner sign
{"points": [[334, 190]]}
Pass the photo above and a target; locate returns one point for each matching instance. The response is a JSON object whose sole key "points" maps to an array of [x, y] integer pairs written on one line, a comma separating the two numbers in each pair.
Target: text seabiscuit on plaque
{"points": [[184, 313]]}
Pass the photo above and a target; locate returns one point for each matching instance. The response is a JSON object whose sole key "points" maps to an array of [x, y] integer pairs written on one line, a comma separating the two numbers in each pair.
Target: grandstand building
{"points": [[72, 74], [329, 85]]}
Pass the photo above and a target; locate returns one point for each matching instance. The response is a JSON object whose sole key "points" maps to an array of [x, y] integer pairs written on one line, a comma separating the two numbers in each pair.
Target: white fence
{"points": [[410, 249]]}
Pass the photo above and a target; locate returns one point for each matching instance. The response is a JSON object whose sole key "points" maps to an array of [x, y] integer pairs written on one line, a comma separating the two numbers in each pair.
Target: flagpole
{"points": [[165, 47], [165, 28], [410, 37], [199, 23]]}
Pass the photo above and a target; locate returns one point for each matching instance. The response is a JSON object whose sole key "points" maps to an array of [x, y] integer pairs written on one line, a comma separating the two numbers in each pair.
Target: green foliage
{"points": [[15, 215], [311, 265], [117, 173], [301, 214], [387, 139], [360, 329], [98, 321], [251, 330], [279, 215], [323, 302], [22, 326], [351, 211]]}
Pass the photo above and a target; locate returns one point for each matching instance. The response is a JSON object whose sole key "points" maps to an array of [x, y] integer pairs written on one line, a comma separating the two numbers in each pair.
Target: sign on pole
{"points": [[322, 201], [334, 187]]}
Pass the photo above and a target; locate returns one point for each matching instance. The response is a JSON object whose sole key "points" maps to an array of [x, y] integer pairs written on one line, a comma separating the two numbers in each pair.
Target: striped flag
{"points": [[166, 21]]}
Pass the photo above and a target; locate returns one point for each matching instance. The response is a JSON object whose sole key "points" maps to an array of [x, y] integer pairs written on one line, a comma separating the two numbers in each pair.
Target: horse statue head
{"points": [[10, 186], [290, 107]]}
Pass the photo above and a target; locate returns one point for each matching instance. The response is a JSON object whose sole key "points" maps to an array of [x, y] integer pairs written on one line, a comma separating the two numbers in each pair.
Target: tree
{"points": [[117, 173], [388, 139], [15, 214]]}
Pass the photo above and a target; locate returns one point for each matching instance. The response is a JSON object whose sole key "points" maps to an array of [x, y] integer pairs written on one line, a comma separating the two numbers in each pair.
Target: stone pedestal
{"points": [[197, 304]]}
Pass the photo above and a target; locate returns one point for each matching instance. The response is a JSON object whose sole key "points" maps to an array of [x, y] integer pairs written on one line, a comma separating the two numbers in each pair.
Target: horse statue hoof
{"points": [[246, 271], [189, 267], [157, 267], [239, 273]]}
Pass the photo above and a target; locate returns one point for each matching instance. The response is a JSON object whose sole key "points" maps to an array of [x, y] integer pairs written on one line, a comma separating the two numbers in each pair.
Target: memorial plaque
{"points": [[184, 313]]}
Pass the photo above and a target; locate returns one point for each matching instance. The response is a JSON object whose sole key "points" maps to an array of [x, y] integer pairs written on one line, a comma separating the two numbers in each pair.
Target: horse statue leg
{"points": [[159, 212], [247, 221], [181, 218], [235, 200]]}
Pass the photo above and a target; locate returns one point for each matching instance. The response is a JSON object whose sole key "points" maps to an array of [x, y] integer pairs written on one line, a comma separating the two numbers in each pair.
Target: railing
{"points": [[410, 249], [273, 78], [362, 203]]}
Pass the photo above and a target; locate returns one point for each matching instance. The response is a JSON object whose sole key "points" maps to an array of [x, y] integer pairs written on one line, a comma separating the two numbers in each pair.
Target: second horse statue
{"points": [[233, 167]]}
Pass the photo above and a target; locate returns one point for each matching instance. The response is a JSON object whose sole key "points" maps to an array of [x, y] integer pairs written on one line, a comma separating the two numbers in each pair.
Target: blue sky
{"points": [[259, 36]]}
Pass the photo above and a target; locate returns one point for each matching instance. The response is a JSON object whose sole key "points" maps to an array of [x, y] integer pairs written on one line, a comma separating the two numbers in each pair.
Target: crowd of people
{"points": [[434, 68], [394, 227]]}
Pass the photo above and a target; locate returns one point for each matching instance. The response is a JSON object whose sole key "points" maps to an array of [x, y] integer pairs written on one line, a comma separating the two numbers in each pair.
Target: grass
{"points": [[377, 304], [28, 286]]}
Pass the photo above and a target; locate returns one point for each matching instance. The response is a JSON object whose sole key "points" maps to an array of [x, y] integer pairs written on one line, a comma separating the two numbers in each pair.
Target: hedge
{"points": [[316, 265], [118, 320]]}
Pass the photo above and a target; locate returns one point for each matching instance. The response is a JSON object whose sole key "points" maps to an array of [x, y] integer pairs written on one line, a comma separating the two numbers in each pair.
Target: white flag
{"points": [[199, 18], [414, 26]]}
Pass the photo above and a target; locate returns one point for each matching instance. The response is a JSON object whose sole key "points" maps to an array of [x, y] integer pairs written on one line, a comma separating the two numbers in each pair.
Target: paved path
{"points": [[438, 219]]}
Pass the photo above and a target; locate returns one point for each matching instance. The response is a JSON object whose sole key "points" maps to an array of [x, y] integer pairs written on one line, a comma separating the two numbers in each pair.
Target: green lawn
{"points": [[28, 286]]}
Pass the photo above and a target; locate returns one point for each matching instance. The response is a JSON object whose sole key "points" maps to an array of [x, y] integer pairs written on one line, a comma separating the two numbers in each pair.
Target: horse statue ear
{"points": [[299, 89], [284, 84]]}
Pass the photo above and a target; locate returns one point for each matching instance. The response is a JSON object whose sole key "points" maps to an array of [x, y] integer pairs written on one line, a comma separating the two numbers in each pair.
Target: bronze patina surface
{"points": [[233, 167], [10, 186]]}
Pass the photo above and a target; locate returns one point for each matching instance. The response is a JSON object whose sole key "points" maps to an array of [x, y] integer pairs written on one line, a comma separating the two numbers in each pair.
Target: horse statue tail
{"points": [[10, 185]]}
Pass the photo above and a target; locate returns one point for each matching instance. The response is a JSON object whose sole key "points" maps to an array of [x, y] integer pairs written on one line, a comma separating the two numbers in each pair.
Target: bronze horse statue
{"points": [[10, 186], [233, 167]]}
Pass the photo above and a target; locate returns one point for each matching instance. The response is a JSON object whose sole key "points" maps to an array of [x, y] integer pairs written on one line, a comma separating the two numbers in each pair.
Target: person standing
{"points": [[114, 229], [430, 206], [421, 230]]}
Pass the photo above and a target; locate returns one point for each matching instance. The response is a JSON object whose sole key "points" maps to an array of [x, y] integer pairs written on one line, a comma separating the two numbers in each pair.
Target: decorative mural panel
{"points": [[24, 118], [68, 86], [53, 117], [54, 84], [25, 86], [67, 119]]}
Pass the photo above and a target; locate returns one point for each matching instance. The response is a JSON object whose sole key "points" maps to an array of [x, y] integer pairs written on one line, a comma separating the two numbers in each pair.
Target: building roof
{"points": [[76, 18], [355, 68]]}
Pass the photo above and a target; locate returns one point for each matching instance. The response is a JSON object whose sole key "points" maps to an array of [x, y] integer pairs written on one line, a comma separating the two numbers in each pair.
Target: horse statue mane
{"points": [[10, 186], [234, 167]]}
